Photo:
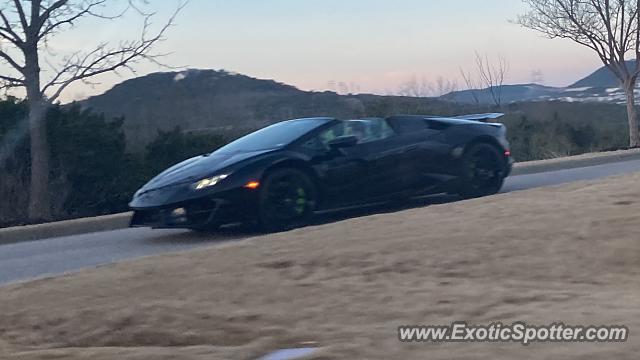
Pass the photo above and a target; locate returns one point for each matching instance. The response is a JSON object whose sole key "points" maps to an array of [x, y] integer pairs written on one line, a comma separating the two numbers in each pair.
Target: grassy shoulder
{"points": [[568, 253], [609, 155], [569, 162]]}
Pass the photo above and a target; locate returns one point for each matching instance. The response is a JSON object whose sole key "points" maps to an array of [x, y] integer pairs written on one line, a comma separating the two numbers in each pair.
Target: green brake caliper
{"points": [[301, 201]]}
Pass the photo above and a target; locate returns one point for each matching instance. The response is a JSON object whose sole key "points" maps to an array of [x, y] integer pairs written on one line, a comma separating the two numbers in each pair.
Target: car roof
{"points": [[312, 118]]}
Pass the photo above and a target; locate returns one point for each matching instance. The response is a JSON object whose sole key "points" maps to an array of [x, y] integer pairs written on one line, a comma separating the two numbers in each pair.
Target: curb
{"points": [[121, 221], [64, 228], [573, 162]]}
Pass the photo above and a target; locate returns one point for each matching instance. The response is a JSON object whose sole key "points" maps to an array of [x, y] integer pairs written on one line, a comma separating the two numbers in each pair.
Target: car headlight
{"points": [[205, 183]]}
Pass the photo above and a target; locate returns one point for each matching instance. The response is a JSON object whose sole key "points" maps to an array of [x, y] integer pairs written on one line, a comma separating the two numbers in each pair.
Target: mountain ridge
{"points": [[232, 103], [222, 101], [603, 77]]}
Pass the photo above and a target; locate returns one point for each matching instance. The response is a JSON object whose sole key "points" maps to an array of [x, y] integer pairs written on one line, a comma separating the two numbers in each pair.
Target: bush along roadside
{"points": [[91, 171]]}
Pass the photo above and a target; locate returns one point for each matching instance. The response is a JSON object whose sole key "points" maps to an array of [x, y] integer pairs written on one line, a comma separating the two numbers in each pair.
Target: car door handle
{"points": [[411, 148]]}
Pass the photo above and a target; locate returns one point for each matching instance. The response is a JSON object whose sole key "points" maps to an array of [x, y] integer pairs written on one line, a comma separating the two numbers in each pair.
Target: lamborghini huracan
{"points": [[277, 177]]}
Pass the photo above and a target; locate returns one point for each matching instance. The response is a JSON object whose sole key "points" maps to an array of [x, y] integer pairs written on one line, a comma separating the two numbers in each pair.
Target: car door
{"points": [[369, 170], [342, 172], [386, 170], [344, 176], [421, 144]]}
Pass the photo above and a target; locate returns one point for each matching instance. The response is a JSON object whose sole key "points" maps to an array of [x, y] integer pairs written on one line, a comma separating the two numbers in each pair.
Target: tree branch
{"points": [[56, 23], [46, 17], [7, 82], [48, 11], [11, 61], [595, 24], [7, 32], [102, 59], [23, 18]]}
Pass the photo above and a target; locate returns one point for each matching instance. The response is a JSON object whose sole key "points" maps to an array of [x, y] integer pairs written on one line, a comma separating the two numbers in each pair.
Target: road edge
{"points": [[573, 162], [121, 221], [64, 228]]}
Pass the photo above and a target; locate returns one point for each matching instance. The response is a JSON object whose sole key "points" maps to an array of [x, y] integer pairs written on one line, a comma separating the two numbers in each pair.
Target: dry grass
{"points": [[569, 253], [560, 159]]}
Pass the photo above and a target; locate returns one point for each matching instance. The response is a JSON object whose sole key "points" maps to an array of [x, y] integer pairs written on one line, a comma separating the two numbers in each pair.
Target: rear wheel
{"points": [[287, 200], [483, 171]]}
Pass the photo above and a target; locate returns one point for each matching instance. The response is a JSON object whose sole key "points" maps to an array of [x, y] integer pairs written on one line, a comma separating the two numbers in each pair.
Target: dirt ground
{"points": [[569, 253]]}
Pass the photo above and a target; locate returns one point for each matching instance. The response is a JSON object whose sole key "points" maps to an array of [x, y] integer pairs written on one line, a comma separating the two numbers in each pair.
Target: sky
{"points": [[373, 45]]}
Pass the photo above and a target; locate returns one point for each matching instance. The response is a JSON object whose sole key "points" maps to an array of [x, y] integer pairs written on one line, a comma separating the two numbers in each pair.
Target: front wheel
{"points": [[287, 199], [483, 171]]}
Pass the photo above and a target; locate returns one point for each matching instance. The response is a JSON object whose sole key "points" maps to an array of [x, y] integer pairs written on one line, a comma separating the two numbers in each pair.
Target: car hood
{"points": [[198, 167]]}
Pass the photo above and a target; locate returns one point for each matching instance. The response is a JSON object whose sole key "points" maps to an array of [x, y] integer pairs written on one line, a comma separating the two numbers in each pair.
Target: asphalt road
{"points": [[27, 260]]}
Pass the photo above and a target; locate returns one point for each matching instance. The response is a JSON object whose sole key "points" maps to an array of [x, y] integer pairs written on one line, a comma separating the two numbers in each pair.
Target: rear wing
{"points": [[490, 117]]}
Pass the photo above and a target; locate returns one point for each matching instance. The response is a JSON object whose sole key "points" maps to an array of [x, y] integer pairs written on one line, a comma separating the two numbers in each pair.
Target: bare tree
{"points": [[537, 77], [472, 85], [26, 30], [445, 86], [421, 87], [492, 75], [343, 88], [611, 28], [489, 76], [415, 87], [332, 85]]}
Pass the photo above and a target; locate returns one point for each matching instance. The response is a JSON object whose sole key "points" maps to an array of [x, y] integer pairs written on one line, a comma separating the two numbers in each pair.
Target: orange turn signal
{"points": [[252, 185]]}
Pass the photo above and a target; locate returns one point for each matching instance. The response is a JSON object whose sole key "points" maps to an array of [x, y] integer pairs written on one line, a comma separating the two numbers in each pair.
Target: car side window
{"points": [[366, 130], [369, 130], [321, 141], [407, 125], [331, 133], [374, 129]]}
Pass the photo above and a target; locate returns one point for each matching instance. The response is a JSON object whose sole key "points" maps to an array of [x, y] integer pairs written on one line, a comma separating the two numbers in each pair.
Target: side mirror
{"points": [[343, 142]]}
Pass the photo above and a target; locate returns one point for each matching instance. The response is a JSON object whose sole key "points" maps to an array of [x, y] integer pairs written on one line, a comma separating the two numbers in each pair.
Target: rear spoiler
{"points": [[490, 117]]}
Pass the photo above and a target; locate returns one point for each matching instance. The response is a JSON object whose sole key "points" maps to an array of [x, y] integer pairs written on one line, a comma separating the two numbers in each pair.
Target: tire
{"points": [[287, 200], [483, 171]]}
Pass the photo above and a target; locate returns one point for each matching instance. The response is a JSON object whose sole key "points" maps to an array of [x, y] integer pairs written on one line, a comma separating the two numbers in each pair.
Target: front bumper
{"points": [[207, 212]]}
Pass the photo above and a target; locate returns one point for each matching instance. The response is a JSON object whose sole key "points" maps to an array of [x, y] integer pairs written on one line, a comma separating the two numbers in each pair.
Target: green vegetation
{"points": [[174, 146], [542, 130], [536, 130], [93, 171]]}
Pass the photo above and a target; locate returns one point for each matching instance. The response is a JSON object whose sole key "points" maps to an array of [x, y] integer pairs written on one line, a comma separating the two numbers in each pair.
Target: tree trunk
{"points": [[39, 198], [634, 136]]}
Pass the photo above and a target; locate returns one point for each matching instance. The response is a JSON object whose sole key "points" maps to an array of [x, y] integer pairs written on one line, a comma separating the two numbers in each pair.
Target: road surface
{"points": [[27, 260]]}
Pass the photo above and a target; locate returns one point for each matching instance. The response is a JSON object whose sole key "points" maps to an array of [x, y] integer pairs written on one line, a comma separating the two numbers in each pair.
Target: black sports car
{"points": [[278, 176]]}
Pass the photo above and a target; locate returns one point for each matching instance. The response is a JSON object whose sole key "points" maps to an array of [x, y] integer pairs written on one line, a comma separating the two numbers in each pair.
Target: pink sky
{"points": [[375, 44]]}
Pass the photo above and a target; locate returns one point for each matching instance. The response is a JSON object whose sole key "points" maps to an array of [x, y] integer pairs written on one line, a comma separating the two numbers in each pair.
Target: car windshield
{"points": [[274, 136]]}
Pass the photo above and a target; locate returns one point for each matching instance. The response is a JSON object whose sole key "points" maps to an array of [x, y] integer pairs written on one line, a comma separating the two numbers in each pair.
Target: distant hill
{"points": [[602, 77], [534, 92], [206, 100], [229, 103], [232, 104], [600, 86], [508, 94]]}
